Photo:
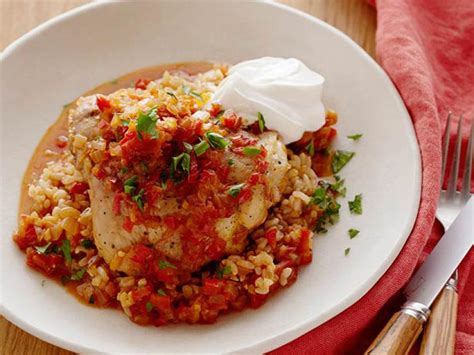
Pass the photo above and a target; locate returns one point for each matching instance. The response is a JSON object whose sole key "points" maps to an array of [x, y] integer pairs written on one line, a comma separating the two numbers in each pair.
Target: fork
{"points": [[440, 332]]}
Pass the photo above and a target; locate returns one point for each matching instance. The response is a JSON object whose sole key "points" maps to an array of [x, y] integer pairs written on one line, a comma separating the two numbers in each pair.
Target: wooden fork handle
{"points": [[440, 332], [401, 331]]}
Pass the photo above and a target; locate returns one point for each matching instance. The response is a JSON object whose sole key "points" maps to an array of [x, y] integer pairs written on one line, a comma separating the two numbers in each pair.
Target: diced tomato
{"points": [[61, 141], [257, 300], [141, 254], [242, 141], [117, 203], [103, 103], [211, 286], [304, 247], [134, 148], [171, 222], [141, 293], [254, 179], [79, 188], [262, 166], [161, 303], [142, 83], [270, 236], [245, 195], [215, 109], [50, 265], [127, 224], [28, 239], [232, 122]]}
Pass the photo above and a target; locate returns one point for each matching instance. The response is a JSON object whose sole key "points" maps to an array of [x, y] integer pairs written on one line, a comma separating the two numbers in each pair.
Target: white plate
{"points": [[74, 52]]}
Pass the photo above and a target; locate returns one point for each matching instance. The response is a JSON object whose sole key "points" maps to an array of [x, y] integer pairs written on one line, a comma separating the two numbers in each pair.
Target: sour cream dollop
{"points": [[285, 91]]}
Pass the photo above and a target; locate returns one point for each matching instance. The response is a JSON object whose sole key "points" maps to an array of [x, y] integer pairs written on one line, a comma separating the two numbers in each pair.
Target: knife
{"points": [[402, 330]]}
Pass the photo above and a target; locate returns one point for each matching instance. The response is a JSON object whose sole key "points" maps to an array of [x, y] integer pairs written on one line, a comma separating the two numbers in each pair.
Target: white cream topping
{"points": [[285, 91]]}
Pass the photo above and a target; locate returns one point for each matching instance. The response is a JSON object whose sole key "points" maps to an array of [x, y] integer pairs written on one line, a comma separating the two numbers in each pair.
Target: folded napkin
{"points": [[427, 48]]}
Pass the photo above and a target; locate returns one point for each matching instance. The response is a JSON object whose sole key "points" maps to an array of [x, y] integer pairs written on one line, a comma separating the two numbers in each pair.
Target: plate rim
{"points": [[298, 330]]}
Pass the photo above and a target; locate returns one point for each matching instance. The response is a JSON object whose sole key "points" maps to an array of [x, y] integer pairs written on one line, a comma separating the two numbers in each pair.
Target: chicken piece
{"points": [[109, 234]]}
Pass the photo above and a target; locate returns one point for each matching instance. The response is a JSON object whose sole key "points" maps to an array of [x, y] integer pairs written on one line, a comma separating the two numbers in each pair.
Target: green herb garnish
{"points": [[146, 123], [251, 151], [66, 249], [338, 186], [310, 148], [124, 169], [163, 264], [355, 137], [161, 292], [223, 271], [340, 159], [352, 232], [216, 140], [149, 307], [230, 162], [201, 147], [138, 198], [182, 161], [130, 185], [79, 274], [261, 122], [234, 190], [43, 249], [356, 206], [347, 251], [172, 94], [87, 243], [196, 95]]}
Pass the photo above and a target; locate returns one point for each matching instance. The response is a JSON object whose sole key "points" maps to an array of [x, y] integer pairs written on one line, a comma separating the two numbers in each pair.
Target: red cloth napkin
{"points": [[427, 48]]}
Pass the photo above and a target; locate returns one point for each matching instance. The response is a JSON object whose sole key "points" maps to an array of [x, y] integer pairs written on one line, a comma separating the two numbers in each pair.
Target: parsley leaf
{"points": [[356, 206], [149, 306], [130, 185], [201, 147], [216, 140], [79, 274], [66, 249], [234, 190], [355, 137], [340, 159], [230, 162], [188, 147], [261, 122], [161, 292], [182, 161], [146, 123], [251, 151], [347, 251], [310, 148], [138, 198], [43, 249], [163, 264], [223, 271], [353, 233]]}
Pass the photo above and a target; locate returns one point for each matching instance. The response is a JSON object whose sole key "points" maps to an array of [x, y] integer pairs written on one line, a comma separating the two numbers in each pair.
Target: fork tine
{"points": [[446, 138], [466, 183], [455, 165]]}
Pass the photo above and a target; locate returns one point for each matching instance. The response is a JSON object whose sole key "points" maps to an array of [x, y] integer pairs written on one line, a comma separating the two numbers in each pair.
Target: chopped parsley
{"points": [[87, 243], [251, 151], [355, 137], [79, 274], [124, 169], [234, 190], [261, 122], [172, 94], [216, 140], [340, 159], [146, 123], [223, 271], [66, 249], [138, 198], [43, 249], [163, 264], [338, 186], [149, 306], [220, 114], [161, 292], [355, 206], [324, 198], [230, 162], [130, 185], [180, 162], [347, 251], [310, 148], [196, 95], [91, 299], [201, 147], [352, 233]]}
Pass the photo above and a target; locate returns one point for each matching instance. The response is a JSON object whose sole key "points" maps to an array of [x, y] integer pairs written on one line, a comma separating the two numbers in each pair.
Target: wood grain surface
{"points": [[17, 17]]}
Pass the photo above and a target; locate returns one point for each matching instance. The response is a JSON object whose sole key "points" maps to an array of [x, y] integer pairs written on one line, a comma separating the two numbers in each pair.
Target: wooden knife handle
{"points": [[440, 332], [401, 332]]}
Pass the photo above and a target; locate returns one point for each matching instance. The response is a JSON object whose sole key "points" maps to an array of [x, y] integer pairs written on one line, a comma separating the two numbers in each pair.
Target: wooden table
{"points": [[354, 17]]}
